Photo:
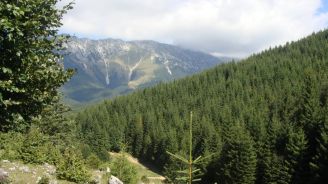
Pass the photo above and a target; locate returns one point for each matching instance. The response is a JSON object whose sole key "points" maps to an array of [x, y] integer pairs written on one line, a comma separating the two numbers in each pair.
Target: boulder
{"points": [[3, 175], [24, 169], [50, 168], [114, 180], [53, 182]]}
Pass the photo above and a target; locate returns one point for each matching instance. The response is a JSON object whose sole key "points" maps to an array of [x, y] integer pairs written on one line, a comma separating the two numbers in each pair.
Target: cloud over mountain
{"points": [[222, 27]]}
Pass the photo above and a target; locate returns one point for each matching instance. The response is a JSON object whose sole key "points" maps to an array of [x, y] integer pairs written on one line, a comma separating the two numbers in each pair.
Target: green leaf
{"points": [[182, 178], [195, 161], [18, 53], [183, 172], [204, 158], [6, 70], [196, 170], [9, 6], [178, 157]]}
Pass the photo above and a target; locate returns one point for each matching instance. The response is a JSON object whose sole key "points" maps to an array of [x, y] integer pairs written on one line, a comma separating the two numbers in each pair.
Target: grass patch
{"points": [[142, 170]]}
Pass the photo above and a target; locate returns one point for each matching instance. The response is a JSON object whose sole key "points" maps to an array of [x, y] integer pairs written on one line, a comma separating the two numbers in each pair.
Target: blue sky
{"points": [[324, 7], [221, 27]]}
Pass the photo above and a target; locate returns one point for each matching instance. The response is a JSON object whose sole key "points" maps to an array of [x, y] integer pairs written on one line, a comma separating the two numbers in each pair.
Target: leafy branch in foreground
{"points": [[30, 73], [191, 174]]}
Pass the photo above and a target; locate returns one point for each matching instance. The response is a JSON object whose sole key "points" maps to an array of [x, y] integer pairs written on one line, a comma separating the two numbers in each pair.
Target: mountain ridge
{"points": [[111, 67]]}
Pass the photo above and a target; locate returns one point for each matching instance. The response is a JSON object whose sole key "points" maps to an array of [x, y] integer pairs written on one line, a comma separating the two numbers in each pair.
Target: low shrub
{"points": [[72, 167]]}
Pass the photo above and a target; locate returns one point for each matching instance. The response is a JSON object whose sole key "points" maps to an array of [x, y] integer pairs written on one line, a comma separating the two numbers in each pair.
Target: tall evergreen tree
{"points": [[319, 163], [309, 120], [238, 161], [295, 156]]}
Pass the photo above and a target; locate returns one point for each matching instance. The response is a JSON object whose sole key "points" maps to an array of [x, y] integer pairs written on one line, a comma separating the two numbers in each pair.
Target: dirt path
{"points": [[157, 179], [162, 178], [129, 158]]}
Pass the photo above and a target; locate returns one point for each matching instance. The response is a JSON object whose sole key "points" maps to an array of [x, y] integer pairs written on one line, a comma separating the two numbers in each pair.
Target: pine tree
{"points": [[295, 156], [238, 158], [270, 164], [31, 151], [273, 169], [309, 121], [72, 167], [319, 163], [192, 173]]}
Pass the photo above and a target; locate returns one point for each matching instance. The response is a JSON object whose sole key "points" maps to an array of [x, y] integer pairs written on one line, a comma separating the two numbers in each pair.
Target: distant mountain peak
{"points": [[110, 67]]}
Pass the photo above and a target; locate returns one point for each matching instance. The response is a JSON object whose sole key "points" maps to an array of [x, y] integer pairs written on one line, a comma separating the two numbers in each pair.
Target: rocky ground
{"points": [[20, 173]]}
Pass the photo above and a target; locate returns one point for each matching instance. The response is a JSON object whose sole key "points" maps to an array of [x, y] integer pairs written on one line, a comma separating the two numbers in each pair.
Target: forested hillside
{"points": [[264, 118]]}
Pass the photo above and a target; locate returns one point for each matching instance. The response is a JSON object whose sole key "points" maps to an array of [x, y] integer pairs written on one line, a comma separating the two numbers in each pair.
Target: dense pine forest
{"points": [[260, 120], [264, 119]]}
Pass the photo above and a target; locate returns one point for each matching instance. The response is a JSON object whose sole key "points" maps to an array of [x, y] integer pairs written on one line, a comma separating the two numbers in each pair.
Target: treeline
{"points": [[265, 118]]}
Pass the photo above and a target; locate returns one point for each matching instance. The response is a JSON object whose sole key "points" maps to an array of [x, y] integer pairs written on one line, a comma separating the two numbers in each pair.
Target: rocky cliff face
{"points": [[107, 68]]}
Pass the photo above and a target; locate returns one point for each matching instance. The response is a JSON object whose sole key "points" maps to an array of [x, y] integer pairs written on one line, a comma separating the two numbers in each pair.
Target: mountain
{"points": [[110, 67], [262, 120]]}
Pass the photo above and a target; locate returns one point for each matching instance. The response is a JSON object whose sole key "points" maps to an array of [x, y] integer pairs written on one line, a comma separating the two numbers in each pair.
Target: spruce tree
{"points": [[238, 158], [295, 156], [191, 173], [72, 167], [319, 163]]}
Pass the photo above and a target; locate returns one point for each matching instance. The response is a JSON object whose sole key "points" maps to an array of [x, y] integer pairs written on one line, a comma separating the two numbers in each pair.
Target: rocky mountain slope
{"points": [[110, 67]]}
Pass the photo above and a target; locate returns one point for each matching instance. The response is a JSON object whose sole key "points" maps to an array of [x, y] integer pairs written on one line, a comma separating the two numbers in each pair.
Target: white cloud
{"points": [[223, 27]]}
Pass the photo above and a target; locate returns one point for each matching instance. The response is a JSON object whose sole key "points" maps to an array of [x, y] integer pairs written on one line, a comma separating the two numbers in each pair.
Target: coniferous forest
{"points": [[263, 119], [260, 120]]}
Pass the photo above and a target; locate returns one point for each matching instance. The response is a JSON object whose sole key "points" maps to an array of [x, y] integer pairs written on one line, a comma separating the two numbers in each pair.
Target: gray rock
{"points": [[53, 182], [24, 169], [114, 180], [46, 165], [50, 168], [98, 178], [3, 174]]}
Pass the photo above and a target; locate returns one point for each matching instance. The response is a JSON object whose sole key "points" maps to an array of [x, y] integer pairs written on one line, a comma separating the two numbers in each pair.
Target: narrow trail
{"points": [[136, 162], [129, 158], [162, 178]]}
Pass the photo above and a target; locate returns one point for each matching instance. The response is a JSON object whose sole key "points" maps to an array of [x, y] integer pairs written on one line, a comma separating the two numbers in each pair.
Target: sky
{"points": [[234, 28]]}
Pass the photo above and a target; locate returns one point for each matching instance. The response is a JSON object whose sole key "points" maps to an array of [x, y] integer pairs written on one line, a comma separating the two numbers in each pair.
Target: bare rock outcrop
{"points": [[114, 180]]}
